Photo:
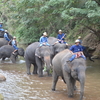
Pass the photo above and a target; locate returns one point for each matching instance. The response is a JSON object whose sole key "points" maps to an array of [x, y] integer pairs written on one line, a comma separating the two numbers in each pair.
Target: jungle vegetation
{"points": [[28, 19]]}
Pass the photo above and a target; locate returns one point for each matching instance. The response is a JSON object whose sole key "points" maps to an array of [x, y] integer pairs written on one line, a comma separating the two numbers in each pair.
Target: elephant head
{"points": [[21, 52], [44, 55], [59, 47], [76, 69]]}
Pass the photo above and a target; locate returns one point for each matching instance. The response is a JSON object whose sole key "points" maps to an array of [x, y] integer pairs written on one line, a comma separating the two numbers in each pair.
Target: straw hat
{"points": [[79, 37], [45, 33], [76, 41], [14, 37]]}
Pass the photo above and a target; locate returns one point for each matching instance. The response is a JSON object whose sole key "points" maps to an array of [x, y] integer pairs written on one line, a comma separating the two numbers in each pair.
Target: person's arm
{"points": [[82, 51], [6, 36], [58, 37], [40, 40], [64, 35], [46, 39], [71, 49]]}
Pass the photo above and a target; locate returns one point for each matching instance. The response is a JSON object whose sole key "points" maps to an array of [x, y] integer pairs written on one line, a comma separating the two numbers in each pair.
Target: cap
{"points": [[60, 30], [76, 41]]}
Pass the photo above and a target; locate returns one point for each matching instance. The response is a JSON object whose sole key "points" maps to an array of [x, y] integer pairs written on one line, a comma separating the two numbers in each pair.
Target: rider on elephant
{"points": [[1, 29], [77, 51], [61, 37], [79, 38], [6, 36], [14, 44], [44, 40]]}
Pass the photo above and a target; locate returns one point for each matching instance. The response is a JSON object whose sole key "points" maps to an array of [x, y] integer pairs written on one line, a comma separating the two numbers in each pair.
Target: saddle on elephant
{"points": [[78, 54]]}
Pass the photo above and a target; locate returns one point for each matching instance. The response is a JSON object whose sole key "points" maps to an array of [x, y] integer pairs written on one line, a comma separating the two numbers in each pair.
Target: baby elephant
{"points": [[69, 71], [6, 52]]}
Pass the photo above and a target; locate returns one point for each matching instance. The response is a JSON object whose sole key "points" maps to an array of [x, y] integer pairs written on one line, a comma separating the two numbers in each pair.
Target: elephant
{"points": [[58, 47], [69, 71], [2, 35], [44, 55], [6, 52], [4, 41], [30, 57], [38, 56], [87, 54]]}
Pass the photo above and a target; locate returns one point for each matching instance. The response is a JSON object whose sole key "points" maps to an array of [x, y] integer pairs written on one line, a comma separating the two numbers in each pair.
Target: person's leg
{"points": [[16, 49], [7, 39], [41, 44], [47, 44], [83, 57], [72, 58]]}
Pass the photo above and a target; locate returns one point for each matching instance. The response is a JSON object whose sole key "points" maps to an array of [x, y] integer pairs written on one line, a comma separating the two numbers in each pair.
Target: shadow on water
{"points": [[20, 86]]}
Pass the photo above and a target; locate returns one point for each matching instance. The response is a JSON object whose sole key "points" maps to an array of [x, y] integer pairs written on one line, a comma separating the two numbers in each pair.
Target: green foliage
{"points": [[28, 19]]}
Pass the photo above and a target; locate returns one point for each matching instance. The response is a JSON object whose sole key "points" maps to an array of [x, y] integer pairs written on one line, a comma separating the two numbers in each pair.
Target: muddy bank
{"points": [[93, 43]]}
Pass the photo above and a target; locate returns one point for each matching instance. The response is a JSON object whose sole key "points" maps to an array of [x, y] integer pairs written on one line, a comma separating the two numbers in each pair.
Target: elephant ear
{"points": [[67, 67], [37, 53], [21, 51], [52, 50]]}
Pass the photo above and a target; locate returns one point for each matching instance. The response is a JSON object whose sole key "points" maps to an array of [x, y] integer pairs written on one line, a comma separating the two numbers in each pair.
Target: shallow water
{"points": [[20, 86]]}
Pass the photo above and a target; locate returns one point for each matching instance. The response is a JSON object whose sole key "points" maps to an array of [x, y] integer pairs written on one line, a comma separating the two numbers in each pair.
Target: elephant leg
{"points": [[55, 79], [35, 69], [64, 80], [13, 58], [67, 78], [28, 66], [73, 81], [49, 74], [3, 59], [40, 66]]}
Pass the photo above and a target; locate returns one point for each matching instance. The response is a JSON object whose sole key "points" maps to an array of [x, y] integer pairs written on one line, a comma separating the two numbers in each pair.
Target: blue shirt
{"points": [[43, 39], [76, 48], [0, 25], [6, 37], [13, 42], [59, 36]]}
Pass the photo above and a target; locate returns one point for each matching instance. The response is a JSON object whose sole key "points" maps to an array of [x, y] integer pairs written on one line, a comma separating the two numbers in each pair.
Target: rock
{"points": [[1, 97], [95, 57], [90, 41], [2, 78], [97, 52]]}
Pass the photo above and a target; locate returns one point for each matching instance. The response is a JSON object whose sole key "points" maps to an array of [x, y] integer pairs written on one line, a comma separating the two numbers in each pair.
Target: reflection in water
{"points": [[20, 86]]}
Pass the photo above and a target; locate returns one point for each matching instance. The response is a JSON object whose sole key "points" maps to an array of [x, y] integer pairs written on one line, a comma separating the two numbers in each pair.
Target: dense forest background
{"points": [[28, 19]]}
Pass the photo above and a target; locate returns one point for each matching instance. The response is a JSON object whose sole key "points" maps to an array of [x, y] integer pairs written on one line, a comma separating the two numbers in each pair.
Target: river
{"points": [[20, 86]]}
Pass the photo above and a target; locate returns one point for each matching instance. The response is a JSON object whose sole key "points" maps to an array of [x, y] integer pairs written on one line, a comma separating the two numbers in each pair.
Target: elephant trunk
{"points": [[47, 61], [81, 78]]}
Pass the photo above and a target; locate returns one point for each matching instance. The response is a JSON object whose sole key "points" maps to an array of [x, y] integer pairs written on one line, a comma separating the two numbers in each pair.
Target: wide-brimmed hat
{"points": [[14, 37], [79, 37], [6, 31], [77, 41], [1, 22], [60, 31], [45, 33]]}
